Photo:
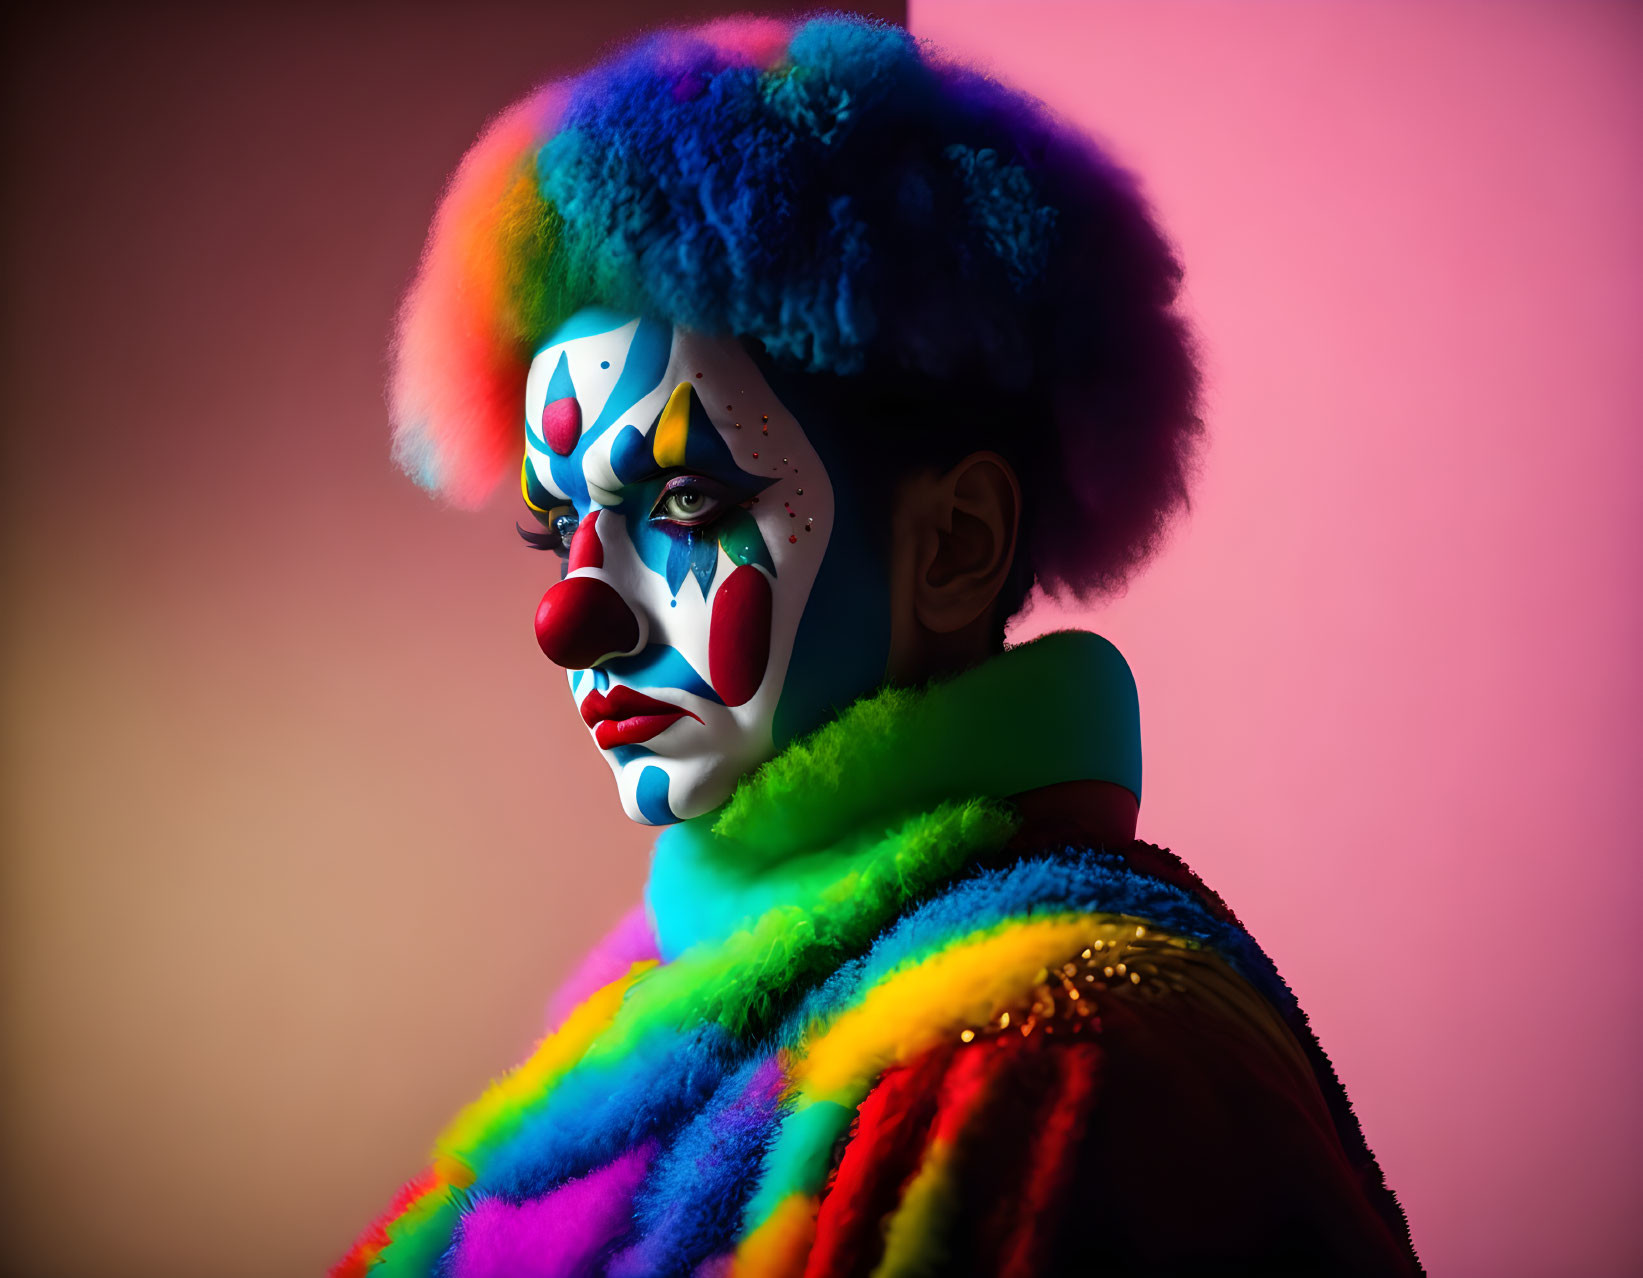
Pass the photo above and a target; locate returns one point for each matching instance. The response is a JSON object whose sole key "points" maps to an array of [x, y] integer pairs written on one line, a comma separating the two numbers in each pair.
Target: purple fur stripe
{"points": [[564, 1232], [710, 1160]]}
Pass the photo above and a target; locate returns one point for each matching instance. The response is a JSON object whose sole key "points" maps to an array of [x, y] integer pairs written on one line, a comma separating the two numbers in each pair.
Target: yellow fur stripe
{"points": [[927, 1205], [553, 1056], [781, 1245], [961, 987]]}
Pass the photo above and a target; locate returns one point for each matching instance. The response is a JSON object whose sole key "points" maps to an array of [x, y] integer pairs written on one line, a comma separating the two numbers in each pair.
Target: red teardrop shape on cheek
{"points": [[586, 550], [738, 641], [562, 425]]}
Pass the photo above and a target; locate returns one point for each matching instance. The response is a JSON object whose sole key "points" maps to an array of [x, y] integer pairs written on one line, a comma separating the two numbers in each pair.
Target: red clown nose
{"points": [[582, 621]]}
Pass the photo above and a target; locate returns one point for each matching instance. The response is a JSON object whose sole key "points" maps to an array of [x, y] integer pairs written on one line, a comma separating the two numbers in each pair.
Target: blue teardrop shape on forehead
{"points": [[560, 385]]}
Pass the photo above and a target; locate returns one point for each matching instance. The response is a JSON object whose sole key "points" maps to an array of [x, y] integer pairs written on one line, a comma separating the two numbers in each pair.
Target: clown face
{"points": [[694, 516]]}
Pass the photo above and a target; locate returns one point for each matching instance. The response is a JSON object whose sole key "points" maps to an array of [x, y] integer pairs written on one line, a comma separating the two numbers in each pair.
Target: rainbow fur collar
{"points": [[684, 1117]]}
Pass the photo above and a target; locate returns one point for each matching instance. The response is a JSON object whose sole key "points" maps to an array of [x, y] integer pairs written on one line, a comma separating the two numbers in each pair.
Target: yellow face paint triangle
{"points": [[673, 427]]}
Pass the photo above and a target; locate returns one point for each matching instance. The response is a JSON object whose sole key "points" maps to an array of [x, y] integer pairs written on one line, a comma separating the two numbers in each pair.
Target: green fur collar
{"points": [[831, 807]]}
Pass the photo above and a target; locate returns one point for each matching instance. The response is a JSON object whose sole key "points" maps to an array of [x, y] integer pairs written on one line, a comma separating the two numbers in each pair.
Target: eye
{"points": [[690, 500]]}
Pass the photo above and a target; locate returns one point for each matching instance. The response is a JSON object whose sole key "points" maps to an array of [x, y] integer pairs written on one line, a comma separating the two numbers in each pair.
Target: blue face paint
{"points": [[652, 795], [640, 460], [658, 665], [646, 362], [843, 641]]}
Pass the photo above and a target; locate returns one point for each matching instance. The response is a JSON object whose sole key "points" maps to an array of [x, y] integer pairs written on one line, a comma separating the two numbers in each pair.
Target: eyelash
{"points": [[541, 539]]}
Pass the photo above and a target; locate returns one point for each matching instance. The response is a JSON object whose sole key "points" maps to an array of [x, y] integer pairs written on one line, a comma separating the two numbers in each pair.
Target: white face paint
{"points": [[702, 513]]}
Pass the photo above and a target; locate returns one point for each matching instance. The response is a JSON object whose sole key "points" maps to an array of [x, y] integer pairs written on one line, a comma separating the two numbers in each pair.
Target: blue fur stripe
{"points": [[691, 1205], [1076, 882], [600, 1110]]}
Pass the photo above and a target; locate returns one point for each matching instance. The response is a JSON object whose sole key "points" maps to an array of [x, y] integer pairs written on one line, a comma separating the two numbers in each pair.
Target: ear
{"points": [[954, 541]]}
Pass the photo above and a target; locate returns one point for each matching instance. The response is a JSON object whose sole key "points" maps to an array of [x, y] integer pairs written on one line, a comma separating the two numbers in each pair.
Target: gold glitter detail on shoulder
{"points": [[1123, 959], [1175, 977]]}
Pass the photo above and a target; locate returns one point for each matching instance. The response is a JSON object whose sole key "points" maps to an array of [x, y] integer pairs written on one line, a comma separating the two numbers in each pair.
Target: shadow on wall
{"points": [[300, 827]]}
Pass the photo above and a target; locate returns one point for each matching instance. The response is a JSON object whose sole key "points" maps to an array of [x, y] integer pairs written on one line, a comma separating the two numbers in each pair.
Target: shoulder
{"points": [[1077, 1083]]}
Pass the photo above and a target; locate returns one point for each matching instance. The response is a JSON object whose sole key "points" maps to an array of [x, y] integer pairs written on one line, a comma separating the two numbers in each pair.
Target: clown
{"points": [[811, 353]]}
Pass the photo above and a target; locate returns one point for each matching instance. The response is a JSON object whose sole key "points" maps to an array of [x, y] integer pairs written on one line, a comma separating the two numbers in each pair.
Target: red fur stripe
{"points": [[365, 1251], [892, 1127], [1052, 1156]]}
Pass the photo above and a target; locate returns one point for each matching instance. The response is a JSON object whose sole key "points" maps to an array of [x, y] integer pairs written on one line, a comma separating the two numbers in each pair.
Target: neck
{"points": [[1050, 727]]}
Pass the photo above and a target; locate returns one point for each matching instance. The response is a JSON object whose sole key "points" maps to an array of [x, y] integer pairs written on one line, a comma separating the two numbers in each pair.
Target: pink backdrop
{"points": [[1390, 679], [299, 828]]}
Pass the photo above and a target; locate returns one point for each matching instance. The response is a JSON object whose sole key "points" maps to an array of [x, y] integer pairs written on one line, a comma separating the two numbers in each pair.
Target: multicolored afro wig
{"points": [[925, 252]]}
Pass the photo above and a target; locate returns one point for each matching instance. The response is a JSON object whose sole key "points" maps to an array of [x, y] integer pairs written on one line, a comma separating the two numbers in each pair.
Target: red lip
{"points": [[625, 717]]}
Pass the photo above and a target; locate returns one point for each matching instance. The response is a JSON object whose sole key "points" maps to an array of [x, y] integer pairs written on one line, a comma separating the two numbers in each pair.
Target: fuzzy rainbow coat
{"points": [[941, 1049]]}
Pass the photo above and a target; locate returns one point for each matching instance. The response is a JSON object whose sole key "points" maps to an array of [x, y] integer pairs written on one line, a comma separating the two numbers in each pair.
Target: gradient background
{"points": [[300, 829]]}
